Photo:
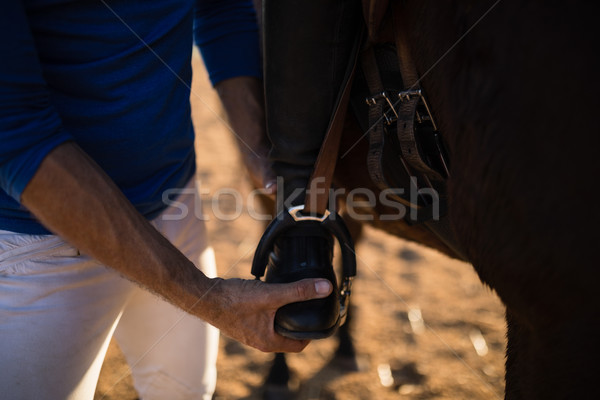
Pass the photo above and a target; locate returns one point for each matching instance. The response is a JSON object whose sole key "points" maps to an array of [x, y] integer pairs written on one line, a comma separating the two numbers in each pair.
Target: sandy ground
{"points": [[455, 350]]}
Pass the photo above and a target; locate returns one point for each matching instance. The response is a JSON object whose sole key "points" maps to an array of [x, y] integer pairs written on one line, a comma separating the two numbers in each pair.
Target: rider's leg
{"points": [[307, 46]]}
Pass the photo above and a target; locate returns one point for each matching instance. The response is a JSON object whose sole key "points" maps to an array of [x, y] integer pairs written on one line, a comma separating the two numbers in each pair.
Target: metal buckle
{"points": [[295, 212], [389, 119], [408, 94], [391, 115], [345, 292]]}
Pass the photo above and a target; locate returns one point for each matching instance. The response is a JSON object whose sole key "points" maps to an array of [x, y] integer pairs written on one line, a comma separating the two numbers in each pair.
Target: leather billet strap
{"points": [[385, 163], [317, 194], [374, 12], [409, 102], [376, 110], [382, 118]]}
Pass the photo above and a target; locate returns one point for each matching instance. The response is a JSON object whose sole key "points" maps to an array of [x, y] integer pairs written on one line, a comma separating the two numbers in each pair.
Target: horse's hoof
{"points": [[278, 392]]}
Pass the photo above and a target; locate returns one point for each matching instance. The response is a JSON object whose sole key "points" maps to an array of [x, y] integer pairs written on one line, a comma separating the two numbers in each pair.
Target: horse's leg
{"points": [[276, 386], [554, 357], [517, 154], [345, 354]]}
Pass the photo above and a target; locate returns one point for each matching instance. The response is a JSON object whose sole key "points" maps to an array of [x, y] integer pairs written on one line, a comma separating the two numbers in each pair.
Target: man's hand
{"points": [[242, 99], [245, 310]]}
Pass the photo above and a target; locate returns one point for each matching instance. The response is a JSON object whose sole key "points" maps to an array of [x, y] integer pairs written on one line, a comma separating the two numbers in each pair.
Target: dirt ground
{"points": [[424, 326]]}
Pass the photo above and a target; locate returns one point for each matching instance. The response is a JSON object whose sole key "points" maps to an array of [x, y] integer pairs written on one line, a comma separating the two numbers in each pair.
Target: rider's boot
{"points": [[308, 45]]}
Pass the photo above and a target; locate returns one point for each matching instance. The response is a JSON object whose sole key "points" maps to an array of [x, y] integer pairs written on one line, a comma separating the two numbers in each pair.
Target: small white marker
{"points": [[478, 342], [416, 320]]}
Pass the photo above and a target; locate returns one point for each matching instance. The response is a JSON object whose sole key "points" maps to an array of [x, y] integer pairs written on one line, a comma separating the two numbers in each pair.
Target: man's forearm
{"points": [[242, 99], [74, 198]]}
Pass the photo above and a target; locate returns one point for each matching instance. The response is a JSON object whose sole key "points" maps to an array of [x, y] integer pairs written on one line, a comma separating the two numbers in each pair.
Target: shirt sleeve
{"points": [[29, 125], [226, 32]]}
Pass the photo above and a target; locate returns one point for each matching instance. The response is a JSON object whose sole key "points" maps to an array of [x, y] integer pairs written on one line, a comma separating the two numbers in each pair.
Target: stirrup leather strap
{"points": [[317, 195]]}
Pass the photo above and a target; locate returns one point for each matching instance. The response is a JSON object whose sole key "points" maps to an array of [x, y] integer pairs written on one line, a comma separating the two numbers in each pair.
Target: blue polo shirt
{"points": [[114, 76]]}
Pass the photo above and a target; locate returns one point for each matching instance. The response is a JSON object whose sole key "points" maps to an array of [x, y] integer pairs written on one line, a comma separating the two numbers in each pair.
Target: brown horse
{"points": [[514, 89]]}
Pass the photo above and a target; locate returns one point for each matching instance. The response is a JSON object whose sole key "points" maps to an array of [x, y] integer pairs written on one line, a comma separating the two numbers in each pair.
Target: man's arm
{"points": [[243, 102], [74, 198], [228, 36]]}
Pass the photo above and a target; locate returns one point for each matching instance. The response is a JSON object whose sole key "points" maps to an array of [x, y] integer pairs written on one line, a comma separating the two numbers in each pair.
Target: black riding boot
{"points": [[307, 48], [307, 45]]}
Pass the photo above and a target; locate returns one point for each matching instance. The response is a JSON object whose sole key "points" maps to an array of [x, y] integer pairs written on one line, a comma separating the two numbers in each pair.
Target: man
{"points": [[94, 128]]}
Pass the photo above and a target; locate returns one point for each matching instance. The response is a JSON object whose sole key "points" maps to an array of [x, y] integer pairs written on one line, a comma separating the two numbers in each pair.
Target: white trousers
{"points": [[59, 310]]}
